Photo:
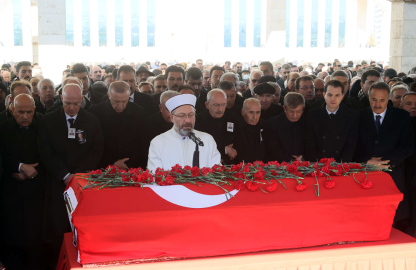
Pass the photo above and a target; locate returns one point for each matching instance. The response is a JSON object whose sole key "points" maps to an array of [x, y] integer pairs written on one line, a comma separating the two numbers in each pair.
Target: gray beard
{"points": [[185, 132]]}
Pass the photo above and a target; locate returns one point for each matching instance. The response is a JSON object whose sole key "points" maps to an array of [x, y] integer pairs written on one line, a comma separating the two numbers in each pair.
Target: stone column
{"points": [[403, 35], [361, 23], [276, 16], [52, 38]]}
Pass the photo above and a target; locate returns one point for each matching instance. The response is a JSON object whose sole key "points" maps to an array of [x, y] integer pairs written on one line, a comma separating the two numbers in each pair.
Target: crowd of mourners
{"points": [[102, 115]]}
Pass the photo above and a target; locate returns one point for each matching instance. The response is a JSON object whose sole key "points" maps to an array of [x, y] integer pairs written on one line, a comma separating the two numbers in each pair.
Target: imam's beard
{"points": [[184, 129]]}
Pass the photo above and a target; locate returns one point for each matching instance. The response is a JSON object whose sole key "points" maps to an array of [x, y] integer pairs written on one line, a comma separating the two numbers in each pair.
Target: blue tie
{"points": [[378, 124]]}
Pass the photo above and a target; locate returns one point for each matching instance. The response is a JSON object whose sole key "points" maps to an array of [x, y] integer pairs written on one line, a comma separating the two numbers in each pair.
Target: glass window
{"points": [[86, 23], [328, 23], [17, 23], [227, 23], [118, 10], [69, 22], [301, 22], [257, 23], [150, 23], [342, 21], [287, 22], [134, 23], [314, 23], [242, 22], [102, 22]]}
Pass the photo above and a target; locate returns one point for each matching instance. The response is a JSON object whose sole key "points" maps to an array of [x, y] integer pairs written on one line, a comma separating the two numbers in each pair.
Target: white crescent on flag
{"points": [[185, 197]]}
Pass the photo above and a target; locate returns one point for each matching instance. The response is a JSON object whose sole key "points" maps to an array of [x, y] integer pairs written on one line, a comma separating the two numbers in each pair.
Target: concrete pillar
{"points": [[52, 34], [361, 22], [402, 35], [276, 16]]}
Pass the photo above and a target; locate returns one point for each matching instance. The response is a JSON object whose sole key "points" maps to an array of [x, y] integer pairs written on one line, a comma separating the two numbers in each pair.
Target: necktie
{"points": [[331, 115], [378, 124], [71, 122]]}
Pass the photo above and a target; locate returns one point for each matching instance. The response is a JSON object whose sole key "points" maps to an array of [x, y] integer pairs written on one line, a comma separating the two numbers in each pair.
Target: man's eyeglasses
{"points": [[183, 116], [305, 88]]}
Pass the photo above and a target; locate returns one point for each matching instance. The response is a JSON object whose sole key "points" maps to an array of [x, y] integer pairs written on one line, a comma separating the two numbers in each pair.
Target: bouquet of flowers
{"points": [[253, 176]]}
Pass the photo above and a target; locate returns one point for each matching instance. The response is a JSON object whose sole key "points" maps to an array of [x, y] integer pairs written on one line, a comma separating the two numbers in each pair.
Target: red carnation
{"points": [[272, 187], [296, 163], [252, 186], [239, 185], [195, 171], [292, 169], [125, 178], [367, 184], [187, 168], [96, 172], [169, 180], [301, 187], [111, 169], [273, 163], [305, 164], [330, 184], [218, 168], [246, 169], [235, 168], [261, 163], [259, 175], [205, 171]]}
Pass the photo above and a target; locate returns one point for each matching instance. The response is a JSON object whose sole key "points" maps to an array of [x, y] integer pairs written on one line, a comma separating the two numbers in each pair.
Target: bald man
{"points": [[254, 133], [22, 189], [122, 126], [70, 141], [17, 88], [220, 124], [96, 74]]}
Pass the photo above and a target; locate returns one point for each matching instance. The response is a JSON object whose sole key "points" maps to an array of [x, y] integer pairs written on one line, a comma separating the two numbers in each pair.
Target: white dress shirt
{"points": [[68, 117], [331, 112], [383, 114]]}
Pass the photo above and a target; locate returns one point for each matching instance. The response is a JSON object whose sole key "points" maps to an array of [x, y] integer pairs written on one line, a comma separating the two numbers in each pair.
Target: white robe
{"points": [[170, 148]]}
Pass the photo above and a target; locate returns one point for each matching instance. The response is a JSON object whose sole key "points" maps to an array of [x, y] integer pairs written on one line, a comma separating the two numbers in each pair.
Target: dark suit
{"points": [[21, 202], [62, 156], [364, 100], [273, 110], [286, 138], [123, 134], [154, 126], [254, 141], [326, 137], [218, 128], [281, 83], [247, 94], [239, 100], [94, 96], [143, 100], [394, 142], [349, 102], [235, 110], [156, 99], [355, 88]]}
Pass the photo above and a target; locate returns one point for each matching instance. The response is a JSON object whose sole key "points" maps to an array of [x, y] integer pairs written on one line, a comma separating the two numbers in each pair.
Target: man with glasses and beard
{"points": [[175, 147]]}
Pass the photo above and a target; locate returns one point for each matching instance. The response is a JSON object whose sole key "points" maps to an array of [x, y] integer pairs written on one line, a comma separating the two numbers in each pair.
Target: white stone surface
{"points": [[52, 36], [403, 36]]}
